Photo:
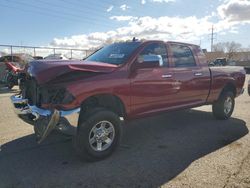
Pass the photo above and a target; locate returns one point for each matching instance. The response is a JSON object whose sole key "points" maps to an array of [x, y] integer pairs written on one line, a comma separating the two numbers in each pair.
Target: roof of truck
{"points": [[172, 42]]}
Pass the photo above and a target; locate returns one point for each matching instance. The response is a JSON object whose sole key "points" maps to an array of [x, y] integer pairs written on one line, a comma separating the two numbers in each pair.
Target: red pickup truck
{"points": [[120, 82]]}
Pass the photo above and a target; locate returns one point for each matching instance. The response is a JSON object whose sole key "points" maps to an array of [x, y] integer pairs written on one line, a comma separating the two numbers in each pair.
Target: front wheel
{"points": [[224, 106], [98, 134]]}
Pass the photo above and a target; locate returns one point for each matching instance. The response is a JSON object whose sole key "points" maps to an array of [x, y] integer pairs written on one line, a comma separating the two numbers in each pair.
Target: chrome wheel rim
{"points": [[101, 136], [228, 104]]}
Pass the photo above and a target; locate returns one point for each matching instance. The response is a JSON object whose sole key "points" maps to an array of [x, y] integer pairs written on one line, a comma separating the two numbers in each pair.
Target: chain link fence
{"points": [[66, 53]]}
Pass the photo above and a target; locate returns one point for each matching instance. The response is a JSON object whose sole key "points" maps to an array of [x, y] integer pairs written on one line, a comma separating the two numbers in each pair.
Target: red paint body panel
{"points": [[45, 71], [225, 75], [142, 91]]}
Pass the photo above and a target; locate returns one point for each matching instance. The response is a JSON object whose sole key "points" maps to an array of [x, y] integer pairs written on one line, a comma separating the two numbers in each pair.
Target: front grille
{"points": [[31, 92], [44, 94]]}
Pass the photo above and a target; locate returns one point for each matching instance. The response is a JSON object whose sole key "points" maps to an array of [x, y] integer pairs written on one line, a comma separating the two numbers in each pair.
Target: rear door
{"points": [[203, 76], [152, 88], [188, 75]]}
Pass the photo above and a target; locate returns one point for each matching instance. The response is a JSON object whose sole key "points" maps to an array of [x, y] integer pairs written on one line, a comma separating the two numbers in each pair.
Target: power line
{"points": [[98, 6], [27, 7], [26, 10], [76, 10], [76, 7], [68, 15], [73, 16], [87, 5], [56, 13]]}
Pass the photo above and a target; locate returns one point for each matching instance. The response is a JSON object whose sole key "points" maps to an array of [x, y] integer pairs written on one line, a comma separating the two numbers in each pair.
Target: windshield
{"points": [[116, 53]]}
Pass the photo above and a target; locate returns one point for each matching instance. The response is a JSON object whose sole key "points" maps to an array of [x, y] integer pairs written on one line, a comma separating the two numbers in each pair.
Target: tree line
{"points": [[229, 48]]}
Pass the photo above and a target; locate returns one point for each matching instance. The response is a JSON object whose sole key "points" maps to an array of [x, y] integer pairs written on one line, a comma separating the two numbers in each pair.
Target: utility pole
{"points": [[212, 38]]}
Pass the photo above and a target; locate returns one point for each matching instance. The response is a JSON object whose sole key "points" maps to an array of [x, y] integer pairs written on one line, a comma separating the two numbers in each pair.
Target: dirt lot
{"points": [[178, 149]]}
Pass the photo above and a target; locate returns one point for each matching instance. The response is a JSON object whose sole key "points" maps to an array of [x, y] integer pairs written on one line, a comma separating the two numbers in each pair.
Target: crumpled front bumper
{"points": [[22, 107]]}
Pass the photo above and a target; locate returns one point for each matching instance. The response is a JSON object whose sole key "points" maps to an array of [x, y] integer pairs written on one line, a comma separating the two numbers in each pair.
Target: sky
{"points": [[91, 23]]}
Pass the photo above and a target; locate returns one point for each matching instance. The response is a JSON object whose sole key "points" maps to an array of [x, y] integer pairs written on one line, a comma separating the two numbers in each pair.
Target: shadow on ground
{"points": [[153, 151]]}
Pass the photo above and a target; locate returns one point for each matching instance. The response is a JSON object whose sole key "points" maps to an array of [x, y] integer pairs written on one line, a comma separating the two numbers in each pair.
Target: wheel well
{"points": [[230, 87], [107, 101]]}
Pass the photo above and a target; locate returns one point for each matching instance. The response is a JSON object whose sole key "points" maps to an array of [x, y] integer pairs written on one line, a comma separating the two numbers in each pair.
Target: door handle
{"points": [[166, 76], [198, 74]]}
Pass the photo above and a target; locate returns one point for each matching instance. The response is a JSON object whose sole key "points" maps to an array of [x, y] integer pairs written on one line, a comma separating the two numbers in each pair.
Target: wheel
{"points": [[224, 106], [98, 134], [10, 85], [10, 82]]}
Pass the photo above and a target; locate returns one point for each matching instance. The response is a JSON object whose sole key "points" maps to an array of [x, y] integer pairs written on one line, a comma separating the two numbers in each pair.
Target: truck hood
{"points": [[44, 71]]}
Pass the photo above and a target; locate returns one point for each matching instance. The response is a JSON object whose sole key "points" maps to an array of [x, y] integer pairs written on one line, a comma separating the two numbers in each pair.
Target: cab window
{"points": [[182, 56], [158, 49]]}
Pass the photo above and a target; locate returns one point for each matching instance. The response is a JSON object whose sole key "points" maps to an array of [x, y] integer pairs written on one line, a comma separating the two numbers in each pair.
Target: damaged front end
{"points": [[29, 104], [44, 96]]}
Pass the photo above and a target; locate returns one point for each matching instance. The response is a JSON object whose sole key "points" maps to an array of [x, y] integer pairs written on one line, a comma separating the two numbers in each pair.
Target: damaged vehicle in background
{"points": [[222, 62], [11, 66], [56, 57], [121, 82]]}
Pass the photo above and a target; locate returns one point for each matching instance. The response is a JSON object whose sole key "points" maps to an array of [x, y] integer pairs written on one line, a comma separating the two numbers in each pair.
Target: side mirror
{"points": [[149, 61]]}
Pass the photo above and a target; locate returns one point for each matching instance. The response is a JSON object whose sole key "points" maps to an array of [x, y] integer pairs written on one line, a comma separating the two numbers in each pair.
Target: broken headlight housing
{"points": [[55, 96]]}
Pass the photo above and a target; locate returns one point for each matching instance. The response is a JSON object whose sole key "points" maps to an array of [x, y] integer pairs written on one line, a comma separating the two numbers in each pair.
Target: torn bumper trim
{"points": [[51, 125], [21, 107], [242, 91]]}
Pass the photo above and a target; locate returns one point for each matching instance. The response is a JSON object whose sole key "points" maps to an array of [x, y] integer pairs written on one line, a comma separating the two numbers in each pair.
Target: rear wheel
{"points": [[224, 106], [98, 134]]}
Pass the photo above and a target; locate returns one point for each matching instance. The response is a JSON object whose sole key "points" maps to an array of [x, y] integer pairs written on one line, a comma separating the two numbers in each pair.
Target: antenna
{"points": [[134, 39]]}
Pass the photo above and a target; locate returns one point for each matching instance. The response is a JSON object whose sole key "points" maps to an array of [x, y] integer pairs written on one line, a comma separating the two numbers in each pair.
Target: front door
{"points": [[152, 89]]}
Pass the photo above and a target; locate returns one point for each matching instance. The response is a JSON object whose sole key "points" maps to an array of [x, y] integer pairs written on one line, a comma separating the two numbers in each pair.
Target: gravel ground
{"points": [[179, 149]]}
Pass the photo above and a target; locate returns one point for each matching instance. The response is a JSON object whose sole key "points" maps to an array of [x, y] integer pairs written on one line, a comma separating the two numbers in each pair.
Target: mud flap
{"points": [[45, 124]]}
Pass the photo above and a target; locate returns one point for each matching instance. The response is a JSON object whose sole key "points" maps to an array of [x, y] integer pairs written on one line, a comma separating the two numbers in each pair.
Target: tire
{"points": [[97, 124], [224, 106], [10, 81], [10, 85]]}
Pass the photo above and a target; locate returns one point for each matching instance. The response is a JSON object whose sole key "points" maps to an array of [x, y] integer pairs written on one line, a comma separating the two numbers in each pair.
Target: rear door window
{"points": [[182, 56]]}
